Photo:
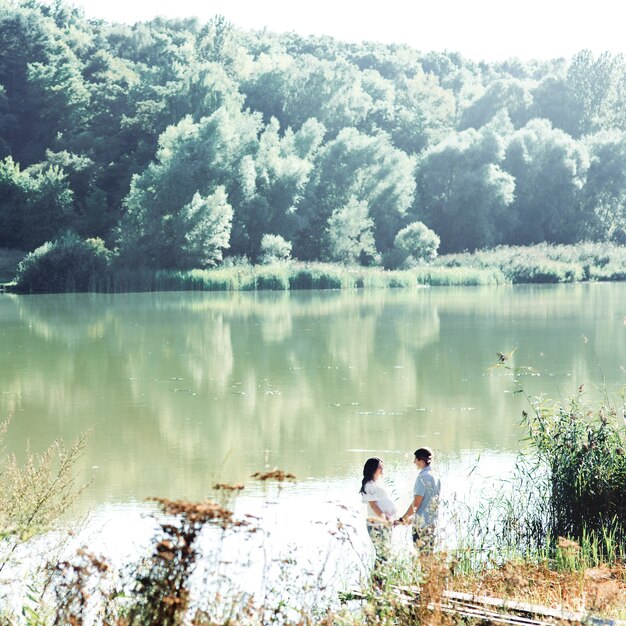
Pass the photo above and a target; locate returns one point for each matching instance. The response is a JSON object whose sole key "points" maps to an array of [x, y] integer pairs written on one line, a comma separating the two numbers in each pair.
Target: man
{"points": [[425, 504]]}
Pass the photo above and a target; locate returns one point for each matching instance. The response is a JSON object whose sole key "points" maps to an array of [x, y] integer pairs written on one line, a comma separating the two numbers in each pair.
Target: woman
{"points": [[425, 504], [381, 510]]}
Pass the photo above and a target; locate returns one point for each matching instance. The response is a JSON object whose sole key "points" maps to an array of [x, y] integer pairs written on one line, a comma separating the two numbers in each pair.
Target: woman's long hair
{"points": [[369, 469]]}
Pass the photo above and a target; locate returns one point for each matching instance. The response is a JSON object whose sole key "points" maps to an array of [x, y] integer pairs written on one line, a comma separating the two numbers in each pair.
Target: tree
{"points": [[462, 190], [604, 193], [508, 94], [197, 166], [273, 179], [349, 234], [595, 85], [42, 80], [423, 113], [65, 264], [296, 89], [35, 205], [553, 101], [368, 169], [549, 168], [204, 228]]}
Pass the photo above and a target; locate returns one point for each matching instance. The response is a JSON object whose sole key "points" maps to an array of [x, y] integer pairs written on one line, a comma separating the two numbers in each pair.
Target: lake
{"points": [[183, 390]]}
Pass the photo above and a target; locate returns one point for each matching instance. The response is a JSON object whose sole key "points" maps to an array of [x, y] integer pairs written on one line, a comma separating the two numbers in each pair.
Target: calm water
{"points": [[182, 390]]}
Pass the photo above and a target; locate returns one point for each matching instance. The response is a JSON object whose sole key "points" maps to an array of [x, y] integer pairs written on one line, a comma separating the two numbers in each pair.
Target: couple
{"points": [[382, 512]]}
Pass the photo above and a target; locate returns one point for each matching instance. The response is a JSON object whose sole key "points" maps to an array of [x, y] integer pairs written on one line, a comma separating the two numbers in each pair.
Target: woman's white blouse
{"points": [[377, 493]]}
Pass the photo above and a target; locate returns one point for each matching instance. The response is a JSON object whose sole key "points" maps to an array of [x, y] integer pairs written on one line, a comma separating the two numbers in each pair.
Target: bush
{"points": [[458, 276], [571, 481], [66, 265], [274, 248], [417, 242], [583, 448], [393, 258], [272, 278], [401, 279], [543, 271], [547, 263], [316, 277]]}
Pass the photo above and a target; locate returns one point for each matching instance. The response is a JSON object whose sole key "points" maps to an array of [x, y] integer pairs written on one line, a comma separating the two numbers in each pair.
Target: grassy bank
{"points": [[279, 277], [298, 276], [547, 263], [73, 266]]}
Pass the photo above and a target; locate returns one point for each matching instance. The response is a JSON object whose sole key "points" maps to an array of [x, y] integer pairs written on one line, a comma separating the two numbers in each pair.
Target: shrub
{"points": [[304, 278], [274, 248], [272, 278], [401, 279], [393, 258], [319, 277], [418, 242], [458, 276], [543, 271], [572, 483], [66, 265], [583, 448]]}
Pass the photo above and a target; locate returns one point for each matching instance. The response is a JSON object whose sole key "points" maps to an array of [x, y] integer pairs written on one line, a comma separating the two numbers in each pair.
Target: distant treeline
{"points": [[179, 143]]}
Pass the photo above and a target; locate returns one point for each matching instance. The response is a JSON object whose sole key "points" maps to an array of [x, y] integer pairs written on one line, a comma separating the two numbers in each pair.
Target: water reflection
{"points": [[182, 389]]}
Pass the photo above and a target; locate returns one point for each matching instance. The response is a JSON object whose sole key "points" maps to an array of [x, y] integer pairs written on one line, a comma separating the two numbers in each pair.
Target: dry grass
{"points": [[275, 474], [599, 590], [36, 493]]}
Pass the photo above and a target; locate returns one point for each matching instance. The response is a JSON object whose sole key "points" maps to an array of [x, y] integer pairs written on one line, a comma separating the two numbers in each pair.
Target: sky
{"points": [[487, 30]]}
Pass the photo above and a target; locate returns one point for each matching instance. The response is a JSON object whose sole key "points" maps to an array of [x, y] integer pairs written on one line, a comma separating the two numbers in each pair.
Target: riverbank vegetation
{"points": [[71, 264], [180, 145]]}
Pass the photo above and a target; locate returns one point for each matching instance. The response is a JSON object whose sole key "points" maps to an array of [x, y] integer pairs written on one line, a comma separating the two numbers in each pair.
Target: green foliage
{"points": [[584, 450], [545, 263], [596, 86], [355, 168], [65, 265], [111, 130], [569, 484], [316, 277], [604, 193], [549, 169], [181, 201], [463, 191], [35, 206], [350, 236], [510, 94], [274, 248], [458, 276], [272, 278], [417, 242], [274, 177], [294, 275], [530, 271]]}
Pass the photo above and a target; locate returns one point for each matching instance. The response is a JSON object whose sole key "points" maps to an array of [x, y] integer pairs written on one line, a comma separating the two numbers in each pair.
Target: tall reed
{"points": [[573, 475]]}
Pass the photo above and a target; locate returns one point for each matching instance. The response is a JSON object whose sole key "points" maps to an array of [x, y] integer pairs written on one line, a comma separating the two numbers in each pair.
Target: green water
{"points": [[184, 389]]}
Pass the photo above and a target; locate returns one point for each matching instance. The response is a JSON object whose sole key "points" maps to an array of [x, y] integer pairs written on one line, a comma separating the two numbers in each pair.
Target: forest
{"points": [[176, 144]]}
